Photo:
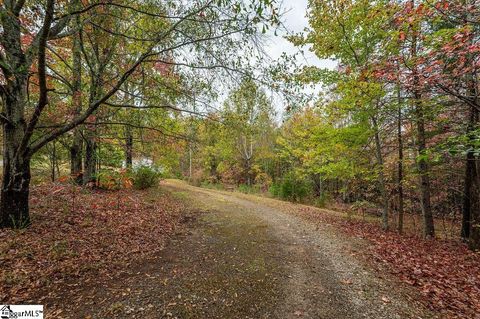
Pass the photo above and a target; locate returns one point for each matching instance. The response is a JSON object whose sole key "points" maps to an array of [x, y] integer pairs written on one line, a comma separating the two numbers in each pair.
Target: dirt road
{"points": [[244, 257]]}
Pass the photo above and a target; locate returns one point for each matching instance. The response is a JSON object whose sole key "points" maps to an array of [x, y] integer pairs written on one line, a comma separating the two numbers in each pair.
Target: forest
{"points": [[102, 100], [394, 131]]}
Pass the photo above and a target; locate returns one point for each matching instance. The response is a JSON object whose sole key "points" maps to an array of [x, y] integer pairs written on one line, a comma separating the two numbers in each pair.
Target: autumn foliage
{"points": [[81, 236]]}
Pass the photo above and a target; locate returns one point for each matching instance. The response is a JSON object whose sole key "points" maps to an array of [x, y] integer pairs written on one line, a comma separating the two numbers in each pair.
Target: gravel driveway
{"points": [[241, 257]]}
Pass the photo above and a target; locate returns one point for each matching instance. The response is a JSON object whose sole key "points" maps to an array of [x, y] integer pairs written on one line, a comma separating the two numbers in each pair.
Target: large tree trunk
{"points": [[381, 175], [16, 163], [16, 166], [16, 69], [15, 192]]}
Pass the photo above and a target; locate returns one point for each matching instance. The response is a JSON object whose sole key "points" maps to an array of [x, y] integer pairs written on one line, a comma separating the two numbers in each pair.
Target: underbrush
{"points": [[81, 235], [145, 177], [289, 188], [141, 177]]}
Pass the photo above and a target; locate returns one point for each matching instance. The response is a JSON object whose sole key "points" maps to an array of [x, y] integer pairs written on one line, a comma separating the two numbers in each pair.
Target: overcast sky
{"points": [[295, 20]]}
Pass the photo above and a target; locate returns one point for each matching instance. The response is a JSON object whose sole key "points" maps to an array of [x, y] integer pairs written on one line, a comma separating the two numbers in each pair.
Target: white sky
{"points": [[295, 20]]}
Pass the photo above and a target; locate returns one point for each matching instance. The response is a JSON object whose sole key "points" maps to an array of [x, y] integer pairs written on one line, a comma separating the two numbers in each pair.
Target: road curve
{"points": [[242, 256], [308, 271]]}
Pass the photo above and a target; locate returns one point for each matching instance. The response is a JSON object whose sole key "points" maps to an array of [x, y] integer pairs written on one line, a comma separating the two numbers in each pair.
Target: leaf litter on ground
{"points": [[81, 237], [445, 272]]}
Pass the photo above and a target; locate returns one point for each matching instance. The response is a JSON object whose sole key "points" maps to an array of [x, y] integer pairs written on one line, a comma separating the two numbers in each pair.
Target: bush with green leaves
{"points": [[145, 177], [274, 189], [290, 188]]}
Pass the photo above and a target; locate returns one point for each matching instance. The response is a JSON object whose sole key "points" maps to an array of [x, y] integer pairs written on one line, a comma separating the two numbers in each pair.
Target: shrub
{"points": [[145, 177], [274, 189], [263, 181], [290, 188], [113, 180]]}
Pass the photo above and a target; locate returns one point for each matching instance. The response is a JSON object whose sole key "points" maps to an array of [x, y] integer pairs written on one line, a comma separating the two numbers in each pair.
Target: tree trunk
{"points": [[53, 160], [16, 179], [470, 175], [90, 173], [381, 175], [128, 147], [90, 134], [76, 163], [247, 171], [429, 230], [400, 164], [98, 158], [14, 209], [15, 193], [471, 197], [77, 143], [428, 224], [317, 182], [190, 161], [474, 240]]}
